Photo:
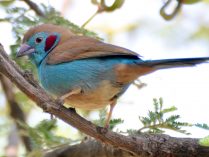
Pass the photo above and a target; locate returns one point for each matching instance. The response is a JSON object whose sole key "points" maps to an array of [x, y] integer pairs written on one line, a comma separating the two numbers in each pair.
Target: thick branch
{"points": [[142, 146], [165, 146], [89, 148], [15, 111]]}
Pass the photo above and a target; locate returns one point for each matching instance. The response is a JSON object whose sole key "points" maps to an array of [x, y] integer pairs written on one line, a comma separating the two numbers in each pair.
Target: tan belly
{"points": [[96, 99]]}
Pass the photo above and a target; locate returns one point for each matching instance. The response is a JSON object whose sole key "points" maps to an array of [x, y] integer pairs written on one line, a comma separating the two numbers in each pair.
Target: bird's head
{"points": [[39, 41]]}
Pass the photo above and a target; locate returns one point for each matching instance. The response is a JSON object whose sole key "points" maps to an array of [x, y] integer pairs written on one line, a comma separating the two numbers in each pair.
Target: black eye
{"points": [[38, 40]]}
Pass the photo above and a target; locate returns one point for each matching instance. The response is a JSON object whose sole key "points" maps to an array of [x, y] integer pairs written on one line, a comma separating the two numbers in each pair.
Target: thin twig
{"points": [[89, 19], [35, 8]]}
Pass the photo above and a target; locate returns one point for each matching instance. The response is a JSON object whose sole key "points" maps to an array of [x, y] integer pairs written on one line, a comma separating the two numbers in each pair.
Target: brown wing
{"points": [[80, 47]]}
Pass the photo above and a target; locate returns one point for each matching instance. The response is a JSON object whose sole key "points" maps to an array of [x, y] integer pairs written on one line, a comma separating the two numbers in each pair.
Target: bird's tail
{"points": [[129, 73], [172, 63]]}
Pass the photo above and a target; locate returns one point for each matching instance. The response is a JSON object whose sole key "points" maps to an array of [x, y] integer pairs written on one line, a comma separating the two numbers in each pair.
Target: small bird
{"points": [[85, 72]]}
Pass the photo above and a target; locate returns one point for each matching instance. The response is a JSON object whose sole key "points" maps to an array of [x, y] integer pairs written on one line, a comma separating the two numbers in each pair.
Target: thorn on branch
{"points": [[45, 106]]}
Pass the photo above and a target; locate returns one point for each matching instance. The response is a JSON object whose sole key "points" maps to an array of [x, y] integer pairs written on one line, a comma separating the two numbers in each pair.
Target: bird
{"points": [[85, 72]]}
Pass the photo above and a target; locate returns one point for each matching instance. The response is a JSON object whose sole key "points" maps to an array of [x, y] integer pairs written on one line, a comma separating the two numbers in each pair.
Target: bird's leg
{"points": [[75, 91], [112, 105], [61, 99]]}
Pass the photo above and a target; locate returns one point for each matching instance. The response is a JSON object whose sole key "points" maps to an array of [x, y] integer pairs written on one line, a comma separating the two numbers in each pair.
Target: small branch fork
{"points": [[142, 145]]}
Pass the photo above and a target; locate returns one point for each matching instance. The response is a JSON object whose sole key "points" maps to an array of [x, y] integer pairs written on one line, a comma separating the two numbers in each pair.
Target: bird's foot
{"points": [[107, 121], [60, 101], [101, 130], [46, 108], [72, 109]]}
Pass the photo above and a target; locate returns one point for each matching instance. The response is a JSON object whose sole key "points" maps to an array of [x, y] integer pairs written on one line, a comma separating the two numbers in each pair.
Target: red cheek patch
{"points": [[50, 42]]}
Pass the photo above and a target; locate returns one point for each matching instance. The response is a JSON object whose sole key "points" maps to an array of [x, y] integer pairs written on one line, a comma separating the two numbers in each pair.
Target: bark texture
{"points": [[165, 146]]}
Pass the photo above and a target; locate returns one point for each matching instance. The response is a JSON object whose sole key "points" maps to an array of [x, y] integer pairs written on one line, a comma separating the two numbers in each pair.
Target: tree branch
{"points": [[15, 111], [34, 7], [89, 148], [149, 145], [164, 146]]}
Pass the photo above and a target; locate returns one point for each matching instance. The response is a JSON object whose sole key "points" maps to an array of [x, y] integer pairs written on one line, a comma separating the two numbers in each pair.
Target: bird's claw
{"points": [[102, 130], [60, 101], [72, 109]]}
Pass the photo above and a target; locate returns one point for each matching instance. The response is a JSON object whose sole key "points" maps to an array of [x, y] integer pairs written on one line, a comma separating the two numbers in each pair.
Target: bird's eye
{"points": [[38, 40]]}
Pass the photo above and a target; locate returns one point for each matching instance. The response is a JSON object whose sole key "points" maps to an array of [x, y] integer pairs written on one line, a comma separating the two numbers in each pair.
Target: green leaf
{"points": [[42, 135], [170, 109], [156, 105], [155, 131], [35, 153], [190, 1], [133, 132], [155, 121], [202, 126], [6, 3], [204, 141], [172, 118], [115, 122], [95, 2], [145, 120]]}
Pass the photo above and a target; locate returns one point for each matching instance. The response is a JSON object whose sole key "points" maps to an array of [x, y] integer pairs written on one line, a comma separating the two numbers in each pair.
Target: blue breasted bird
{"points": [[85, 72]]}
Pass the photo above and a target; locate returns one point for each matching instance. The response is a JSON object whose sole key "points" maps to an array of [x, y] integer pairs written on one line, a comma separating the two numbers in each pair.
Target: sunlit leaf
{"points": [[190, 1], [202, 126], [204, 141], [6, 3]]}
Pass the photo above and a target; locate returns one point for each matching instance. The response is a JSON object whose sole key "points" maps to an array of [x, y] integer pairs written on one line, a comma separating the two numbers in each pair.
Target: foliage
{"points": [[202, 126], [204, 141], [43, 137], [6, 3], [102, 117], [190, 1], [158, 120], [43, 134]]}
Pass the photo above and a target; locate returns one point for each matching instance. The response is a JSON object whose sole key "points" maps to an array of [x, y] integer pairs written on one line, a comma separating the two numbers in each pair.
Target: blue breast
{"points": [[88, 74]]}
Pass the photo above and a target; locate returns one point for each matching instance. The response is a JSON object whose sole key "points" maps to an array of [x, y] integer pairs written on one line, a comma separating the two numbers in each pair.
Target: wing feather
{"points": [[81, 47]]}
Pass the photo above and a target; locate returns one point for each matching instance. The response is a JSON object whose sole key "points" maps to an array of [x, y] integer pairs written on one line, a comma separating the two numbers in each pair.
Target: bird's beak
{"points": [[25, 49]]}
